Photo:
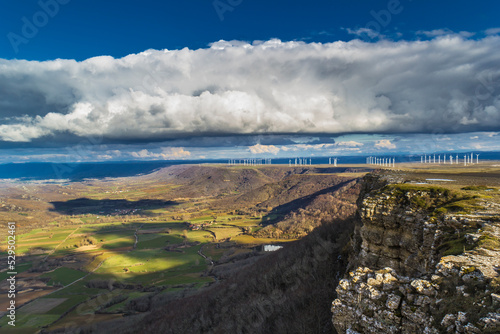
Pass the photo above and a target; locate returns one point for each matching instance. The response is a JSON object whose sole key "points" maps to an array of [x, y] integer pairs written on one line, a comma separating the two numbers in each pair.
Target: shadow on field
{"points": [[302, 202], [107, 206]]}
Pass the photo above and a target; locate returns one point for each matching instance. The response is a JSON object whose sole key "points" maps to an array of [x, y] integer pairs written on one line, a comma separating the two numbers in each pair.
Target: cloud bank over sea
{"points": [[449, 84]]}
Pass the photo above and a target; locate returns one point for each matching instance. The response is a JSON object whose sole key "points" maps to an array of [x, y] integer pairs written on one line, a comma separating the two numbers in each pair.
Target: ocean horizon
{"points": [[75, 171]]}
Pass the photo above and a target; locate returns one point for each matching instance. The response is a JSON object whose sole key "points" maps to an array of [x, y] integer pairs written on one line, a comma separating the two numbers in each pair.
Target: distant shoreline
{"points": [[60, 172]]}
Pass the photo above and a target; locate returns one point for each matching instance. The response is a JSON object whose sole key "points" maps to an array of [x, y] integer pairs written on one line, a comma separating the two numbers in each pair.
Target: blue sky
{"points": [[83, 29], [125, 80]]}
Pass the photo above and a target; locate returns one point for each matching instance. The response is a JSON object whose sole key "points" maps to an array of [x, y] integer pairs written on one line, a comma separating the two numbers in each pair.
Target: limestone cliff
{"points": [[425, 259]]}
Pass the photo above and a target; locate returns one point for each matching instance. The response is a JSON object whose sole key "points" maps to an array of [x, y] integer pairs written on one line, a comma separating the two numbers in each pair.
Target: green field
{"points": [[166, 255], [63, 276], [96, 260]]}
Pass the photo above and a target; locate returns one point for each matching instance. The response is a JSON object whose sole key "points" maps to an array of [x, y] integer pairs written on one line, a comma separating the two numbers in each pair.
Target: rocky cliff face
{"points": [[425, 260]]}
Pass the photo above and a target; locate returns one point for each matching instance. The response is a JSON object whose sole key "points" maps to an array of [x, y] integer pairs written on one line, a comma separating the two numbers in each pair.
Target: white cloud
{"points": [[407, 143], [169, 153], [444, 32], [325, 147], [474, 137], [435, 32], [316, 147], [385, 143], [104, 157], [361, 32], [116, 153], [466, 34], [259, 149], [21, 132], [492, 31], [350, 143], [467, 121], [448, 84]]}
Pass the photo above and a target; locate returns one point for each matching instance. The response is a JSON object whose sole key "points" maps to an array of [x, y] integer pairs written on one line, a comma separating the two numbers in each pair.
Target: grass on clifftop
{"points": [[437, 200], [489, 241]]}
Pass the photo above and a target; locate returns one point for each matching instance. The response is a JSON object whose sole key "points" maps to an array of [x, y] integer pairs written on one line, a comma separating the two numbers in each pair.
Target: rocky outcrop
{"points": [[419, 267]]}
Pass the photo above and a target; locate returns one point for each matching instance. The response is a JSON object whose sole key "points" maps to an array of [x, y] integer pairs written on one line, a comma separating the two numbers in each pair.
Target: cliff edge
{"points": [[425, 259]]}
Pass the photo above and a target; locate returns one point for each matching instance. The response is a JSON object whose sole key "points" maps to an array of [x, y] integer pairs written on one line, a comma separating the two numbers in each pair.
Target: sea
{"points": [[99, 170]]}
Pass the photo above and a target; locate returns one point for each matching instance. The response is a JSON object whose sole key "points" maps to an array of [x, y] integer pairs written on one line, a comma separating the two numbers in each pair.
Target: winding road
{"points": [[200, 252]]}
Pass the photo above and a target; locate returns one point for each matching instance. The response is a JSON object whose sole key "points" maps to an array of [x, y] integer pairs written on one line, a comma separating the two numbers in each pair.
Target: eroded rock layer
{"points": [[425, 260]]}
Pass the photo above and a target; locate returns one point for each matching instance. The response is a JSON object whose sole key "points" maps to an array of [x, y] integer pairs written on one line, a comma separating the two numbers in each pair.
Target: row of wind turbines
{"points": [[249, 162], [384, 162], [291, 162], [431, 159], [371, 160], [308, 162]]}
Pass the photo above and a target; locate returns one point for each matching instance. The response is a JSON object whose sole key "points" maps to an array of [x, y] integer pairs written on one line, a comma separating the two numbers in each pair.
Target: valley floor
{"points": [[97, 250]]}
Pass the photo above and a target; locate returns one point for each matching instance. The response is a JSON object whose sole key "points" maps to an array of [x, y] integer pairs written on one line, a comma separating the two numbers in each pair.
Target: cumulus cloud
{"points": [[385, 143], [259, 149], [447, 84]]}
